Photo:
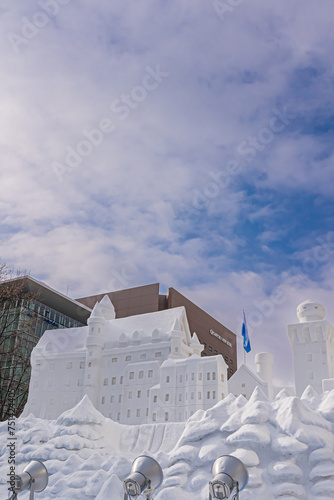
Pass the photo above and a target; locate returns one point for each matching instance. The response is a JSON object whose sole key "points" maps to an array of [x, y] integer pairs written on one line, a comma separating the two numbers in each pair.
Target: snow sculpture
{"points": [[312, 342], [286, 445], [264, 362], [244, 380], [94, 347], [138, 369]]}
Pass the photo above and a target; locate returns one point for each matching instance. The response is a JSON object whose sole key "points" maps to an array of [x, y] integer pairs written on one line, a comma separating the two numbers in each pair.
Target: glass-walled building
{"points": [[48, 318]]}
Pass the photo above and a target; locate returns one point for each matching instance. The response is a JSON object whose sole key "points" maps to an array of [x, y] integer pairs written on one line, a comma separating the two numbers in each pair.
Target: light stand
{"points": [[34, 478], [145, 477], [229, 477]]}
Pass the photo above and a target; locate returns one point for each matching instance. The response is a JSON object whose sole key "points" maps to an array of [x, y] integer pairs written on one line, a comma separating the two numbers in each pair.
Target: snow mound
{"points": [[83, 413], [286, 445]]}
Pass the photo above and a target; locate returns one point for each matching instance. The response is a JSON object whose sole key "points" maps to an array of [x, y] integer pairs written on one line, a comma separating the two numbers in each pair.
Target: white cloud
{"points": [[114, 220]]}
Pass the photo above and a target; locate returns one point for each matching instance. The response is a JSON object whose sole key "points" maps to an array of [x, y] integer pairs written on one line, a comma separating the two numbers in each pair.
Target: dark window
{"points": [[216, 352], [231, 361], [204, 345], [231, 371], [226, 358], [210, 348]]}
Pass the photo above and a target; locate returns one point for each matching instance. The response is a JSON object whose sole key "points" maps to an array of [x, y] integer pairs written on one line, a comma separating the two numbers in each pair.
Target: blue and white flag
{"points": [[244, 333]]}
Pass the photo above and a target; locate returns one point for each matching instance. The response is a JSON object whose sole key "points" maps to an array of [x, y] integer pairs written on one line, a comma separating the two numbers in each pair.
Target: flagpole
{"points": [[246, 341], [243, 311]]}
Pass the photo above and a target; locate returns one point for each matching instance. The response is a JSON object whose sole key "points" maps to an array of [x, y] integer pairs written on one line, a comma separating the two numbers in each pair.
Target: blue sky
{"points": [[168, 142]]}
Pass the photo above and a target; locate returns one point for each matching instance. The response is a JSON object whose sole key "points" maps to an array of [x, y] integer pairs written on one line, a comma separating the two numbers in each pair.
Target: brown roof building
{"points": [[216, 338]]}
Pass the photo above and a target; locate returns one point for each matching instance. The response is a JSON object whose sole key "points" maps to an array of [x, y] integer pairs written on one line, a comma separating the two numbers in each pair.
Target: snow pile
{"points": [[287, 446]]}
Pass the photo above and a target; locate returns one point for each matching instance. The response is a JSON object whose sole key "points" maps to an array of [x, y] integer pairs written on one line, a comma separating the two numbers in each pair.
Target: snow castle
{"points": [[138, 369], [148, 368]]}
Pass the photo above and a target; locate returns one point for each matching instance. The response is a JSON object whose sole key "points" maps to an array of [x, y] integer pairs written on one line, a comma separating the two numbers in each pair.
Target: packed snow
{"points": [[286, 445]]}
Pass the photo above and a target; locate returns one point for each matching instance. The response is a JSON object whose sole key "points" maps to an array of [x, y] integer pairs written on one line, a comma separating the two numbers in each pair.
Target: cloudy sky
{"points": [[186, 142]]}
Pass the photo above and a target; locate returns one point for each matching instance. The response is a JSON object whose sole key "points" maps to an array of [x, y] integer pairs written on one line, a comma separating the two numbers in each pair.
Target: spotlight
{"points": [[145, 477], [229, 477], [34, 478]]}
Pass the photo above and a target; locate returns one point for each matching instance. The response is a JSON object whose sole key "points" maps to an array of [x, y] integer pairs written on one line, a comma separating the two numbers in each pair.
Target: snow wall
{"points": [[287, 446]]}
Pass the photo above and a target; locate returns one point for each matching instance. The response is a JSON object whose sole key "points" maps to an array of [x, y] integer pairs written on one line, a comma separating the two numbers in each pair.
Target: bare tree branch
{"points": [[17, 339]]}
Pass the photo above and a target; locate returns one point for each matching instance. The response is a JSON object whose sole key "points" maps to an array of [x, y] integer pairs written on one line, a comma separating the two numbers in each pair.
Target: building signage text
{"points": [[220, 338]]}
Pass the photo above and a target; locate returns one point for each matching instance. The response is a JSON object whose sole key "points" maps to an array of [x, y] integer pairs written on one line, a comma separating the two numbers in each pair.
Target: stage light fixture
{"points": [[145, 477], [229, 477], [34, 478]]}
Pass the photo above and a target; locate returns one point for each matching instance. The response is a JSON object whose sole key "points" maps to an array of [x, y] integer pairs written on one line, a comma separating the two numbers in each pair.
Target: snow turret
{"points": [[310, 311], [178, 338], [94, 344], [96, 324], [195, 345], [312, 340], [177, 345], [107, 308], [264, 362]]}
